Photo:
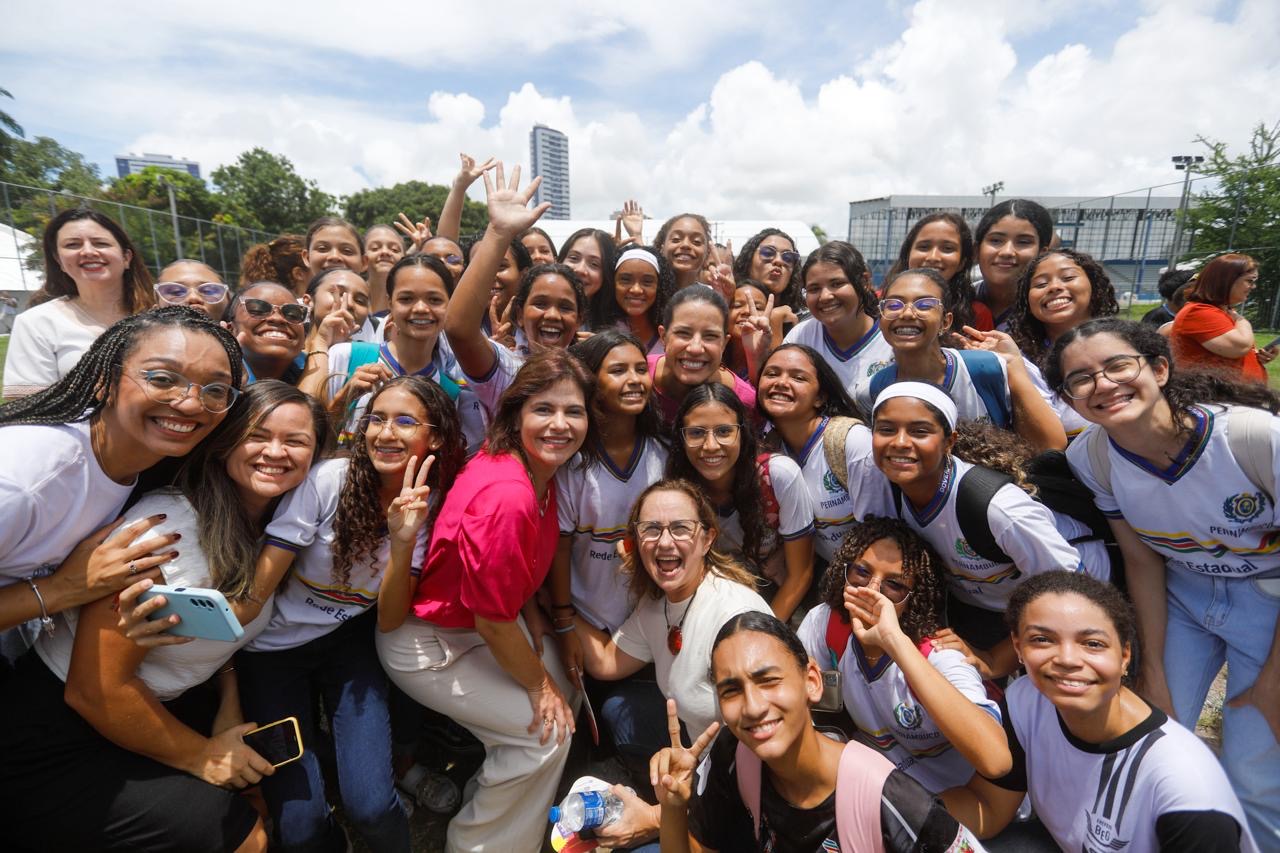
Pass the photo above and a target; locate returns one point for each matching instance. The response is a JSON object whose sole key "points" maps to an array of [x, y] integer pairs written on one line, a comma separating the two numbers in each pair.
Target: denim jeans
{"points": [[1213, 620], [342, 667]]}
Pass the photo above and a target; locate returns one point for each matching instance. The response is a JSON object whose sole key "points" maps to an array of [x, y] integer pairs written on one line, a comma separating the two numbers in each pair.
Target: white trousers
{"points": [[454, 672]]}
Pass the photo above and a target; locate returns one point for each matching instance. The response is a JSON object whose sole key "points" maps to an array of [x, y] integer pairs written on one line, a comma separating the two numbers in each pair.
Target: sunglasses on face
{"points": [[768, 253], [176, 294], [292, 312]]}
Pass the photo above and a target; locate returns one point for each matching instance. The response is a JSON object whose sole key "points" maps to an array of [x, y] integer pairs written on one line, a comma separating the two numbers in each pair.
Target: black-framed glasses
{"points": [[176, 293], [892, 307], [166, 386], [1120, 369], [681, 530], [292, 312], [768, 253], [859, 575], [723, 433], [402, 425]]}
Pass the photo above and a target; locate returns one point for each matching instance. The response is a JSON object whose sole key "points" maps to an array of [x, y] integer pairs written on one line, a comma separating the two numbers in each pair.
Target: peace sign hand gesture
{"points": [[756, 332], [671, 770], [408, 512], [509, 211], [417, 232], [469, 171]]}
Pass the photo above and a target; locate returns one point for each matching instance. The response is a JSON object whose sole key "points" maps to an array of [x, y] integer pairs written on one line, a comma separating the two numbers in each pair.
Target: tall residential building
{"points": [[549, 158], [132, 164]]}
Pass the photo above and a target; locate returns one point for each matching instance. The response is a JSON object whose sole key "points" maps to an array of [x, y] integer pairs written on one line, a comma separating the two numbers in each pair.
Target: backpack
{"points": [[1056, 487], [985, 371], [839, 632], [859, 786], [833, 439]]}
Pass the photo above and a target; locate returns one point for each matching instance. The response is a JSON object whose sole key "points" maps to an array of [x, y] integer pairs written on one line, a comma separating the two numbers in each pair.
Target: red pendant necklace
{"points": [[675, 633]]}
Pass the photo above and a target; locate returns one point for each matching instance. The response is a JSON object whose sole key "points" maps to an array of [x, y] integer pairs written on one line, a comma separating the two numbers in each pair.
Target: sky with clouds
{"points": [[750, 109]]}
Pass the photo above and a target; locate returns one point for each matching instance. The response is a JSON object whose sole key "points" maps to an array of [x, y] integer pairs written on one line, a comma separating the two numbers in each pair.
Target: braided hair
{"points": [[84, 391]]}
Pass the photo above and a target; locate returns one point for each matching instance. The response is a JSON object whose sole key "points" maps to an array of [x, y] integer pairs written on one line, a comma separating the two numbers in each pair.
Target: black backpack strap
{"points": [[897, 499], [977, 487]]}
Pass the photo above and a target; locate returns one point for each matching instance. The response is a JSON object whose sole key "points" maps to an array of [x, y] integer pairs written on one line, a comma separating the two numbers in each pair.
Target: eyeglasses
{"points": [[859, 575], [402, 425], [165, 386], [680, 530], [1120, 369], [724, 433], [292, 312], [176, 294], [768, 253], [450, 260], [893, 307]]}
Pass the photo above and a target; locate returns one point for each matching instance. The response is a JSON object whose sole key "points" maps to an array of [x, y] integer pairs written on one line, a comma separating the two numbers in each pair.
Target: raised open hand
{"points": [[417, 232], [633, 218], [408, 511], [671, 770], [999, 343], [872, 616], [509, 211]]}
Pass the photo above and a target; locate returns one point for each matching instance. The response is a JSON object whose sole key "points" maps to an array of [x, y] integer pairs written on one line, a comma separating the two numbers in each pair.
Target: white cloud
{"points": [[948, 106]]}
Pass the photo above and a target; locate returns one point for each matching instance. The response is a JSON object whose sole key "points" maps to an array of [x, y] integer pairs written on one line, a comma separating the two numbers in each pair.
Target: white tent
{"points": [[16, 279]]}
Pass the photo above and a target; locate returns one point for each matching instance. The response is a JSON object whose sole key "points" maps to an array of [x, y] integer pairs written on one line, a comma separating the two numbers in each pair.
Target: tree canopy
{"points": [[269, 190], [415, 199]]}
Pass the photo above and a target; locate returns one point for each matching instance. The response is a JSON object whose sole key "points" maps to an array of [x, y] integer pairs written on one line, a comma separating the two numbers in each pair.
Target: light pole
{"points": [[1185, 162], [173, 213], [991, 190]]}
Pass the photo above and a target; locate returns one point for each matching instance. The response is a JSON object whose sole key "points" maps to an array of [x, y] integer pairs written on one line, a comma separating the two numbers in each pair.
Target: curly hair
{"points": [[746, 492], [1183, 389], [717, 562], [613, 312], [921, 566], [274, 261], [853, 265], [1027, 331], [1000, 450], [660, 239], [360, 523], [960, 292], [791, 295]]}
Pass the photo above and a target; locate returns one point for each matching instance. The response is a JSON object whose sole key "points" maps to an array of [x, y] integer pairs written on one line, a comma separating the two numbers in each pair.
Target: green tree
{"points": [[43, 163], [820, 233], [9, 127], [415, 199], [271, 192], [1241, 209]]}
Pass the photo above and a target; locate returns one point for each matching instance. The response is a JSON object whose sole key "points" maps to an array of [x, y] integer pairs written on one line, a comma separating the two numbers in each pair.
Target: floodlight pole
{"points": [[1186, 163], [991, 190]]}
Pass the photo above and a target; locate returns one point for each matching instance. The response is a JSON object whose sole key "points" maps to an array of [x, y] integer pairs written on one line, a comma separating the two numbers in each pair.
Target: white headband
{"points": [[931, 394], [637, 255]]}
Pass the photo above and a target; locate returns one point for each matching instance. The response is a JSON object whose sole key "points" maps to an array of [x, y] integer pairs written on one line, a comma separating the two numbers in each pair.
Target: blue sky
{"points": [[748, 110]]}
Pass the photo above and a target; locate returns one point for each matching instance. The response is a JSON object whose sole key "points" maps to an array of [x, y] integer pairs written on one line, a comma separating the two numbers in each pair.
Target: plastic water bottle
{"points": [[586, 810]]}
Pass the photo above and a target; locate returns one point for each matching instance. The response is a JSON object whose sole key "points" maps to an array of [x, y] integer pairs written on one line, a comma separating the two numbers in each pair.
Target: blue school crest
{"points": [[1244, 507]]}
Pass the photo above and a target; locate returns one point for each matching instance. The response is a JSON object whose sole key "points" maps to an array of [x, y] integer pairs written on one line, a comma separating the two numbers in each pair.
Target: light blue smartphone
{"points": [[203, 613]]}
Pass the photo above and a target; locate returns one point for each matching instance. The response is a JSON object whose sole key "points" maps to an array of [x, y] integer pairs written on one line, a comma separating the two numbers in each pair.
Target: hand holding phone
{"points": [[203, 613], [279, 742]]}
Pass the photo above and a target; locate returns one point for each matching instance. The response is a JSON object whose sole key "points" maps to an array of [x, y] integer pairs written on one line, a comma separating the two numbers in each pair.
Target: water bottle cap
{"points": [[554, 817]]}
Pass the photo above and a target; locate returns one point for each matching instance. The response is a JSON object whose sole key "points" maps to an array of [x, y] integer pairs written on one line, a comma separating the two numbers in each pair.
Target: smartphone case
{"points": [[203, 613], [263, 748]]}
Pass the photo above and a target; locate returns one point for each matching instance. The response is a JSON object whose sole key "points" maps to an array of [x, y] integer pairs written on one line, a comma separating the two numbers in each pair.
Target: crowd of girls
{"points": [[939, 562]]}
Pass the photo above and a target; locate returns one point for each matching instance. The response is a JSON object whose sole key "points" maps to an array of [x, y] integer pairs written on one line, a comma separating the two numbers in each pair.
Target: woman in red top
{"points": [[465, 650], [1209, 331]]}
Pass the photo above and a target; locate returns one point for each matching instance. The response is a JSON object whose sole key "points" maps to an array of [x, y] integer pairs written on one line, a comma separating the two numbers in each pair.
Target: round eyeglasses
{"points": [[892, 307], [1120, 369], [859, 575], [681, 530], [166, 386], [176, 293]]}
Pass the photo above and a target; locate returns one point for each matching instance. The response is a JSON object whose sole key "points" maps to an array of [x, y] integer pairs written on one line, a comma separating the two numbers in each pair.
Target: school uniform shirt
{"points": [[1072, 421], [836, 509], [653, 346], [683, 676], [856, 365], [310, 601], [168, 671], [910, 819], [1023, 528], [443, 363], [1156, 787], [1200, 513], [890, 718], [794, 521], [594, 503], [46, 342], [53, 493], [491, 545], [958, 385], [488, 388], [668, 406]]}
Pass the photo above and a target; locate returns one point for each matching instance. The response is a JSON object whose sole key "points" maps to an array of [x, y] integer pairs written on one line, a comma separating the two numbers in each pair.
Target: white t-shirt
{"points": [[53, 493], [836, 509], [1072, 421], [488, 388], [683, 676], [1110, 797], [46, 343], [856, 365], [593, 503], [959, 386], [1024, 529], [1201, 513], [890, 718], [795, 518], [443, 362], [169, 671], [310, 602]]}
